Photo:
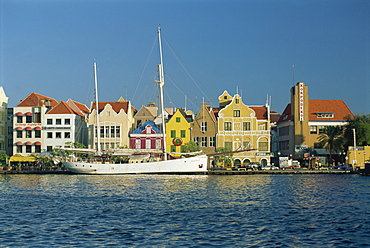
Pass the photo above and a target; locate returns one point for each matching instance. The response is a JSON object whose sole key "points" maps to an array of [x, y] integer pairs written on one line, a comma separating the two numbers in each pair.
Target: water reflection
{"points": [[175, 211]]}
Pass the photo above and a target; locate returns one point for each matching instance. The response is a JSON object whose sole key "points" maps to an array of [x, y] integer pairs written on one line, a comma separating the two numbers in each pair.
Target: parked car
{"points": [[270, 167], [343, 167], [254, 166]]}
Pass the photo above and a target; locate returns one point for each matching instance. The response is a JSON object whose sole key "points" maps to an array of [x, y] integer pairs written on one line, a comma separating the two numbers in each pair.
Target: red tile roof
{"points": [[261, 112], [337, 107], [35, 99], [63, 108], [81, 106]]}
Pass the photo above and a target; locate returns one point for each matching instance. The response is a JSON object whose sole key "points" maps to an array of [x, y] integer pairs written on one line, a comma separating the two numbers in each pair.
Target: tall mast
{"points": [[161, 84], [96, 108]]}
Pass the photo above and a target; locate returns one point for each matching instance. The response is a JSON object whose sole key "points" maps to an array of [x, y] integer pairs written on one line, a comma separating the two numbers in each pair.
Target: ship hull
{"points": [[192, 165]]}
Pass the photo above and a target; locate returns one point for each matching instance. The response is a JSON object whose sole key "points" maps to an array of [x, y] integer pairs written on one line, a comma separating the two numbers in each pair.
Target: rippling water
{"points": [[184, 211]]}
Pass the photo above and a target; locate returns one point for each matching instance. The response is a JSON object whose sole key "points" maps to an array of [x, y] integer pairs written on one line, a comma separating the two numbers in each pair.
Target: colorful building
{"points": [[242, 127], [147, 137], [178, 131], [303, 120]]}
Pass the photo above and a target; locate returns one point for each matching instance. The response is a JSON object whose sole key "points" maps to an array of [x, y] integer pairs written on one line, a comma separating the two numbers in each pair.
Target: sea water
{"points": [[184, 211]]}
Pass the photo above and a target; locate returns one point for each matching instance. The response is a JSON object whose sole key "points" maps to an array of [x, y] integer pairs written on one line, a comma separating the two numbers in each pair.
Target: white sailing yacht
{"points": [[146, 164]]}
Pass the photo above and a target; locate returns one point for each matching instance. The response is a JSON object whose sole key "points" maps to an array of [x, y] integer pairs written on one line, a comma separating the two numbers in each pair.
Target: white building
{"points": [[3, 120]]}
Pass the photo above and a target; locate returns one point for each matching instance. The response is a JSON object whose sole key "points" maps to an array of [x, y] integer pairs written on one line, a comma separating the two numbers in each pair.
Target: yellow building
{"points": [[359, 156], [178, 131], [242, 127]]}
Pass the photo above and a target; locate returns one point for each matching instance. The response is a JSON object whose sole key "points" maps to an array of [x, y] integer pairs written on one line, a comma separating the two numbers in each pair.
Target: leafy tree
{"points": [[3, 158], [332, 139], [224, 155], [361, 123], [191, 147]]}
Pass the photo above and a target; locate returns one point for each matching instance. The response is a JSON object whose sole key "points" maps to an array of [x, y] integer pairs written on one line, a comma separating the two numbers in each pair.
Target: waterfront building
{"points": [[3, 120], [148, 136], [64, 125], [302, 122], [204, 128], [357, 156], [28, 119], [242, 127], [178, 131], [145, 113], [115, 122]]}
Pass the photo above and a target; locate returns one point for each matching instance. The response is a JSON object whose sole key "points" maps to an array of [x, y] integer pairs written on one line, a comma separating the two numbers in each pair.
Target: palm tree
{"points": [[332, 139]]}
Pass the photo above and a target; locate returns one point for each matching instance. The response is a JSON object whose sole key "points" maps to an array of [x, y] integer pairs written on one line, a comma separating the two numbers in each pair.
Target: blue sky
{"points": [[243, 46]]}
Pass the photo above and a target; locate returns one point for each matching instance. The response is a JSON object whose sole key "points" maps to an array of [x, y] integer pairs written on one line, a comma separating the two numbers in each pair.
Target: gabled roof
{"points": [[35, 99], [143, 127], [338, 108], [63, 108], [117, 106], [261, 112], [82, 107]]}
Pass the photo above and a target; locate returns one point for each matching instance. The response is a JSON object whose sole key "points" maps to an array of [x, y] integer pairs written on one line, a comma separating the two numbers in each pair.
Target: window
{"points": [[203, 142], [49, 121], [173, 133], [102, 132], [107, 131], [203, 126], [158, 144], [182, 149], [49, 148], [325, 115], [246, 126], [178, 119], [37, 115], [284, 145], [321, 129], [237, 113], [212, 141], [284, 131], [37, 149], [263, 146], [173, 148], [229, 145], [262, 127], [227, 126], [28, 149], [67, 121], [58, 122], [182, 133], [118, 131], [313, 129], [28, 119], [246, 144], [137, 144], [37, 133], [19, 119], [28, 134], [19, 134], [112, 131], [49, 135], [19, 149], [148, 144], [58, 135], [236, 100], [67, 135]]}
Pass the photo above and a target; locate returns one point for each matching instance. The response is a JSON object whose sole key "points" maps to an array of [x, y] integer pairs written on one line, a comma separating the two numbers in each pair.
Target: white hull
{"points": [[197, 164]]}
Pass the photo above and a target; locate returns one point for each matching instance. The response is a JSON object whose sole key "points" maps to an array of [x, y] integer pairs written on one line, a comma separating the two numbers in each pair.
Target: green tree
{"points": [[332, 139], [224, 155], [361, 123], [191, 147]]}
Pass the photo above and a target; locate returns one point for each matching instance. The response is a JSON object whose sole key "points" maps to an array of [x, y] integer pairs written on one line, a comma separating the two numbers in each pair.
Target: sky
{"points": [[256, 48]]}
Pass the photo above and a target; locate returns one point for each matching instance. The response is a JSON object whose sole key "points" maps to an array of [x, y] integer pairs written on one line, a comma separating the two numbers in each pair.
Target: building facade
{"points": [[303, 120], [241, 127]]}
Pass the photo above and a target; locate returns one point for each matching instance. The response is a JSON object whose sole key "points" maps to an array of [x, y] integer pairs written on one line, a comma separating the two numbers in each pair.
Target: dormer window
{"points": [[325, 115]]}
